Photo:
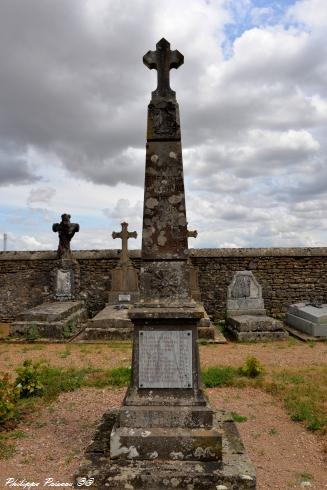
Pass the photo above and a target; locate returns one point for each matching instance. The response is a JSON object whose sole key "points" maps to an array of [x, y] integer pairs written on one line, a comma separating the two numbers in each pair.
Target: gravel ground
{"points": [[283, 453], [288, 354]]}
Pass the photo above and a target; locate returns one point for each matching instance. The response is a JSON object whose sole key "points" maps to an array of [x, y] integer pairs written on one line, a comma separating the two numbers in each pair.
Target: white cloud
{"points": [[73, 118]]}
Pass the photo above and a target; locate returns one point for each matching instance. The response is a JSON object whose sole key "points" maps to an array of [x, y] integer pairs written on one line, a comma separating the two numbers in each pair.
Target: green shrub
{"points": [[33, 333], [251, 368], [9, 394], [29, 379], [219, 376]]}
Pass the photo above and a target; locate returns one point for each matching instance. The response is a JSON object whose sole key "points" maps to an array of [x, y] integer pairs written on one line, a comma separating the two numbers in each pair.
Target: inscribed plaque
{"points": [[165, 359], [124, 297], [64, 284]]}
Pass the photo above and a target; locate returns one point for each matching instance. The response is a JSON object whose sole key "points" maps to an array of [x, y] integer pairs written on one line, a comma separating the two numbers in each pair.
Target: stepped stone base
{"points": [[109, 324], [255, 328], [58, 319], [231, 471]]}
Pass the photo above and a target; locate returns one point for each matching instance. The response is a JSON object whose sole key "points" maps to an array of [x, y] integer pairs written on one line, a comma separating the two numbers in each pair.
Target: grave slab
{"points": [[308, 318], [53, 320]]}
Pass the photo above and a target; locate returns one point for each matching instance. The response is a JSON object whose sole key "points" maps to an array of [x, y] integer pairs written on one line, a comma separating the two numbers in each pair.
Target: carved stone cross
{"points": [[66, 231], [162, 60], [124, 235]]}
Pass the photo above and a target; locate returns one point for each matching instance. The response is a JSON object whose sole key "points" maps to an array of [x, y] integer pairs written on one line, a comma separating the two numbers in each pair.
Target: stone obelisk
{"points": [[166, 276], [165, 434]]}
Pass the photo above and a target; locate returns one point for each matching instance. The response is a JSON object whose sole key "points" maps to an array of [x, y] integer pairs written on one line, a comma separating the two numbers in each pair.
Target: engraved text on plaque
{"points": [[165, 359]]}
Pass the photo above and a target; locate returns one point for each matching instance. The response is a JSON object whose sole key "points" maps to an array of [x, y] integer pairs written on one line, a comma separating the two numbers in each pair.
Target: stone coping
{"points": [[194, 252]]}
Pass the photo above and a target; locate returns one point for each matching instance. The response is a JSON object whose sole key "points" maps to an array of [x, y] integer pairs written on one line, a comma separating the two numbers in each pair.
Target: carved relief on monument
{"points": [[164, 119]]}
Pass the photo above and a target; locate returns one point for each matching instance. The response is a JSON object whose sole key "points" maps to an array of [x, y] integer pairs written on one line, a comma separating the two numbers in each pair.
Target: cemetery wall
{"points": [[287, 275]]}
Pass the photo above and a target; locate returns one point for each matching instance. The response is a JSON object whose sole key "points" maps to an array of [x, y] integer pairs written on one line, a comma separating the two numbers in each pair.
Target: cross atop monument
{"points": [[162, 60], [124, 235]]}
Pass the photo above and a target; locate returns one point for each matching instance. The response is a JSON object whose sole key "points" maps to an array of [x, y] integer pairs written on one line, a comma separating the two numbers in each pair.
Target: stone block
{"points": [[315, 329], [253, 323], [165, 443], [163, 416]]}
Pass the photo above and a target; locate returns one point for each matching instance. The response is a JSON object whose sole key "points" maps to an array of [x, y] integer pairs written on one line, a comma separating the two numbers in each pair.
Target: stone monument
{"points": [[246, 317], [124, 282], [66, 275], [308, 318], [113, 322], [165, 434], [61, 317]]}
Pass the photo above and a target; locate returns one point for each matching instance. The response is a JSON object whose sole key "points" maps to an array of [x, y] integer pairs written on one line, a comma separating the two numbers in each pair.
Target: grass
{"points": [[220, 376], [304, 393], [238, 418]]}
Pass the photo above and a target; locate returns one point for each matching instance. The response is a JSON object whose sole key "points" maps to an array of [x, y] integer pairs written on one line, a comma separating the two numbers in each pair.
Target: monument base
{"points": [[249, 328], [233, 471], [109, 324], [57, 320]]}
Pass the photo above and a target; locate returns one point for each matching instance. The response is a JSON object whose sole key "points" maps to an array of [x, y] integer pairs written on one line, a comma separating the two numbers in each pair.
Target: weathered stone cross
{"points": [[162, 60], [124, 235]]}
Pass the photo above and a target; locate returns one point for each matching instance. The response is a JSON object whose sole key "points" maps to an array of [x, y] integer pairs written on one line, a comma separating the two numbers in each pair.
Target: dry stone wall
{"points": [[287, 275]]}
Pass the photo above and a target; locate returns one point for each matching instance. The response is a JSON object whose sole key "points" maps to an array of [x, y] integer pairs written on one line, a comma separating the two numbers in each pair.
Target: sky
{"points": [[253, 103]]}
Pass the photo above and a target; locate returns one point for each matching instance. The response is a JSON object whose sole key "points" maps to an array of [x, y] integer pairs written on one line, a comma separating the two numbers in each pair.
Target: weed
{"points": [[251, 368], [273, 431], [9, 394], [65, 353], [6, 450], [311, 343], [219, 376], [28, 379], [306, 477], [33, 333], [69, 329], [238, 418]]}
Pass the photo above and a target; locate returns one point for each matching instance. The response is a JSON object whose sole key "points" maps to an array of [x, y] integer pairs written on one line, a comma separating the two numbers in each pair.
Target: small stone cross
{"points": [[162, 60], [124, 235]]}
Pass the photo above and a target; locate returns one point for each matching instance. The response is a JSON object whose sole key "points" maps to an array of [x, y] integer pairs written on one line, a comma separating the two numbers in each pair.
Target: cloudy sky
{"points": [[253, 102]]}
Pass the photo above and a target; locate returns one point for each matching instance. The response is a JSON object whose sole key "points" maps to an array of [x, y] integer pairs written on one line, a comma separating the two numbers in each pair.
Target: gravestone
{"points": [[308, 318], [124, 280], [65, 277], [246, 317], [113, 322], [165, 434], [61, 317]]}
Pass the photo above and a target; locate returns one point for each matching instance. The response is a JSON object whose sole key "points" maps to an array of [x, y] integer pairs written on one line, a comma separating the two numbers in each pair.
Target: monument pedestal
{"points": [[166, 435], [233, 471]]}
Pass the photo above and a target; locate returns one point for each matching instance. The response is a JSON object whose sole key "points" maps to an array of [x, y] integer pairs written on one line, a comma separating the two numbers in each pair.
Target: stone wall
{"points": [[287, 275]]}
